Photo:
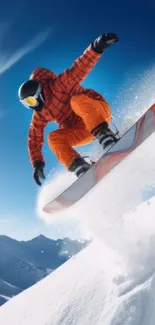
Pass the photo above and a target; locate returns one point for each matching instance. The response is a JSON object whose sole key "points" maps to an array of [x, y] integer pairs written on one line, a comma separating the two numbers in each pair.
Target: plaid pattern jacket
{"points": [[58, 91]]}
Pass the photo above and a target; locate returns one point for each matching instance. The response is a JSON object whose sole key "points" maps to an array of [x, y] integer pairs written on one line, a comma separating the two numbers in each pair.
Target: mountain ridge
{"points": [[24, 263]]}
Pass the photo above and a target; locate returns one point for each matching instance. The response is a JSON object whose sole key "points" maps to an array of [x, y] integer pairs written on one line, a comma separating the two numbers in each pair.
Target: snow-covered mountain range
{"points": [[23, 263]]}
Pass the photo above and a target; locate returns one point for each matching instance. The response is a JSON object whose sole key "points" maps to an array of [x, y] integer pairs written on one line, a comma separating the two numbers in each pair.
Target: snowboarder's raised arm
{"points": [[36, 138], [84, 64], [80, 69]]}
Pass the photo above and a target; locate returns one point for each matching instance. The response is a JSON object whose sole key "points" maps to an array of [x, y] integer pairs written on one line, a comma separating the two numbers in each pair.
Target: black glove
{"points": [[38, 171], [103, 42]]}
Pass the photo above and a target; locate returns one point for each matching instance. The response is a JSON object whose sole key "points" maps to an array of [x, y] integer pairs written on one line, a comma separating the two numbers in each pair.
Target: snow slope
{"points": [[112, 281], [7, 289]]}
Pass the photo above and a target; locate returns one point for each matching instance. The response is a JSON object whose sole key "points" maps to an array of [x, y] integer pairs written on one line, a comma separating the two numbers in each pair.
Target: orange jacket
{"points": [[58, 91]]}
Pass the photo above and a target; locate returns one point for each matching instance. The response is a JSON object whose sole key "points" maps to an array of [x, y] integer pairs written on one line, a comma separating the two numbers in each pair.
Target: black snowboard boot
{"points": [[79, 166], [104, 135]]}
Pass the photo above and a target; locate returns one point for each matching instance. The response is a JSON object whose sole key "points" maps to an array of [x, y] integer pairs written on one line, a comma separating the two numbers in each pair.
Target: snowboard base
{"points": [[136, 135]]}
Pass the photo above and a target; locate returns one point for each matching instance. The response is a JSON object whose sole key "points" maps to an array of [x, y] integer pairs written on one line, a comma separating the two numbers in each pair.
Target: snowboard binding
{"points": [[79, 166], [105, 135]]}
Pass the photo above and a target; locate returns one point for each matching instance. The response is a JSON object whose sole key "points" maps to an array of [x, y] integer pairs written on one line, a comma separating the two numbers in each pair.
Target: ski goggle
{"points": [[32, 101]]}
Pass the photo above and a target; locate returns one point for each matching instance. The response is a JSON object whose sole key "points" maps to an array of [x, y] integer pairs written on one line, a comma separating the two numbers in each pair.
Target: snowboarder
{"points": [[82, 114]]}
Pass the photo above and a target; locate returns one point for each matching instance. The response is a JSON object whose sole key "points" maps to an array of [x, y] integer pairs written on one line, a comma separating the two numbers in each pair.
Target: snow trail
{"points": [[112, 281]]}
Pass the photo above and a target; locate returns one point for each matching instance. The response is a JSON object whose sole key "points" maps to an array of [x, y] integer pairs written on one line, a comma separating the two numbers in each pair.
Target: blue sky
{"points": [[52, 35]]}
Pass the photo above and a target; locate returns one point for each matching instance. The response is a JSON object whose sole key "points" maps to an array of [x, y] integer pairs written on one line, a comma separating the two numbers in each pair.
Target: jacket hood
{"points": [[42, 74]]}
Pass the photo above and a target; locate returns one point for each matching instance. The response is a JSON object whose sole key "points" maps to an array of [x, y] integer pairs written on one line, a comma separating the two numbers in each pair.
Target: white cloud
{"points": [[4, 221], [7, 218], [5, 64]]}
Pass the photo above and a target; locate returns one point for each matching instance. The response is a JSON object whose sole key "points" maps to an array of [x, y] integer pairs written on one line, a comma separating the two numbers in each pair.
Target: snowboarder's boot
{"points": [[79, 166], [104, 135]]}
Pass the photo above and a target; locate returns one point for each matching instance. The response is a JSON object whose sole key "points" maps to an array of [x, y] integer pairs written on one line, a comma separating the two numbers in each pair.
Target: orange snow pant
{"points": [[93, 112]]}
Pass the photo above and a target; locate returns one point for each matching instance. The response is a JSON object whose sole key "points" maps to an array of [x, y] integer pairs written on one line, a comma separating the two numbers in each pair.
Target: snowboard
{"points": [[128, 142]]}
